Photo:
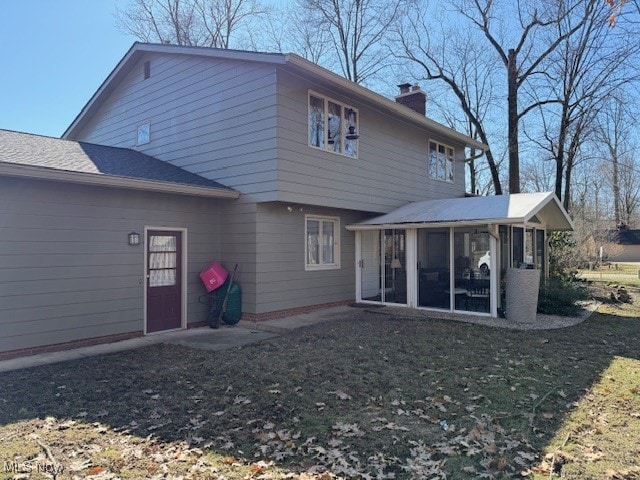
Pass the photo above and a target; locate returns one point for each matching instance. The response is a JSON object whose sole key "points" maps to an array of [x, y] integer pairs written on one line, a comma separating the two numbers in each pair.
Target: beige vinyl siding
{"points": [[238, 245], [390, 171], [245, 125], [209, 116], [67, 270], [623, 253], [282, 280]]}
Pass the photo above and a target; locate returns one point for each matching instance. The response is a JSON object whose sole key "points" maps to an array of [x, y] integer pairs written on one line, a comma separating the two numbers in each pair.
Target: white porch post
{"points": [[494, 274], [358, 266], [412, 267]]}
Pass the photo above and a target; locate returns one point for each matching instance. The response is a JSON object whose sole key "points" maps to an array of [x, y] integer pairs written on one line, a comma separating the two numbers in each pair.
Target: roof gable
{"points": [[288, 61], [46, 154]]}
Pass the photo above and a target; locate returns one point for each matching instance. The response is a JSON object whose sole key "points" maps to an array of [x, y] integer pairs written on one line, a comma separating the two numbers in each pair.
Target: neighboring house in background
{"points": [[615, 245], [267, 161]]}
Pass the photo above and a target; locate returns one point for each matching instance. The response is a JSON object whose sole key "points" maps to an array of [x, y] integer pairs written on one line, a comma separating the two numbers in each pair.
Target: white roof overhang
{"points": [[41, 173], [521, 208]]}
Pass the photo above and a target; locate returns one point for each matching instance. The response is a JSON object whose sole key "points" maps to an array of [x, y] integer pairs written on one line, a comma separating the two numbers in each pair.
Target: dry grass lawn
{"points": [[372, 396]]}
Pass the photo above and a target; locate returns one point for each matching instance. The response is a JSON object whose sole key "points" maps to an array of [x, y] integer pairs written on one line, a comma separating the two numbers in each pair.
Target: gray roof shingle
{"points": [[620, 236], [80, 157]]}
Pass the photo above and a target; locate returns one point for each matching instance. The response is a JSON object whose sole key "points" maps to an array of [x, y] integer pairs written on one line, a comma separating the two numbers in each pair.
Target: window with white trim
{"points": [[333, 126], [441, 162], [322, 237]]}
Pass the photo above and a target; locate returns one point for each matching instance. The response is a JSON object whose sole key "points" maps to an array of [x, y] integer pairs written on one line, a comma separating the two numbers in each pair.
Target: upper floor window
{"points": [[333, 126], [441, 162]]}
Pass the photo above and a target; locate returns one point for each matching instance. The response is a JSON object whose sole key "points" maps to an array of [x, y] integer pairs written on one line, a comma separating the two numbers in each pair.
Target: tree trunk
{"points": [[493, 167], [472, 173], [567, 187], [512, 114], [559, 172], [616, 189]]}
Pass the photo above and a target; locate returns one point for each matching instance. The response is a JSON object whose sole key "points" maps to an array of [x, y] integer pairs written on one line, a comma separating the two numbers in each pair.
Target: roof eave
{"points": [[39, 173], [457, 223]]}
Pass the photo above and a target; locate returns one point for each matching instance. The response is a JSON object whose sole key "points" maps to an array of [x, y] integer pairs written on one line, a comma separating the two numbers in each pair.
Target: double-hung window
{"points": [[322, 248], [333, 126], [441, 162]]}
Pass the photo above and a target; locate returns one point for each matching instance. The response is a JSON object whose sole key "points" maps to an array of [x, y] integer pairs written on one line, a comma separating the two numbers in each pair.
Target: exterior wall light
{"points": [[134, 239]]}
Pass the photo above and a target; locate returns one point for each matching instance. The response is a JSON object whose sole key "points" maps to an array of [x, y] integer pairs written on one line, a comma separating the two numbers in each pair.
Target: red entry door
{"points": [[164, 280]]}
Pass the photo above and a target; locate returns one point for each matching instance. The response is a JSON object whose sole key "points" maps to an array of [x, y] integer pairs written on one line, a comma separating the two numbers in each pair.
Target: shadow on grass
{"points": [[369, 394]]}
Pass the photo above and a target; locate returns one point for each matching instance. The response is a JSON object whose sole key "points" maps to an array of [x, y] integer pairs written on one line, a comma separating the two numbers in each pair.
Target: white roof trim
{"points": [[518, 208], [289, 59], [40, 173]]}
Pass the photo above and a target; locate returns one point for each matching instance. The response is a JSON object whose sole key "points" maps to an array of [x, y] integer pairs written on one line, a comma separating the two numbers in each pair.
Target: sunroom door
{"points": [[369, 263], [382, 264], [395, 266]]}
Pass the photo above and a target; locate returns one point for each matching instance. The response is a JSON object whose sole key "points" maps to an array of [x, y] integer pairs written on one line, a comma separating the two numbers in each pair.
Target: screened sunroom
{"points": [[453, 254]]}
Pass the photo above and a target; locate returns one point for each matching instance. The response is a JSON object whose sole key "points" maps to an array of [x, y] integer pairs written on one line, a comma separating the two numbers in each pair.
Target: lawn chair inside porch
{"points": [[477, 296]]}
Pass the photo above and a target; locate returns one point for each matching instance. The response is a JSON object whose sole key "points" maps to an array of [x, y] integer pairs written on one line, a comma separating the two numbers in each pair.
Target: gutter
{"points": [[484, 222], [24, 171]]}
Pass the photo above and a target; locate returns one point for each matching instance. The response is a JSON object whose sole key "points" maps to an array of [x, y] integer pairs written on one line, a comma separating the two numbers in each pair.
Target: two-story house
{"points": [[320, 190]]}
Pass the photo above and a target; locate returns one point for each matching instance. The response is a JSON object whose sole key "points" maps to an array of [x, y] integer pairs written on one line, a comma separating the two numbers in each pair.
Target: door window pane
{"points": [[162, 243], [395, 270], [162, 278], [371, 283], [163, 260]]}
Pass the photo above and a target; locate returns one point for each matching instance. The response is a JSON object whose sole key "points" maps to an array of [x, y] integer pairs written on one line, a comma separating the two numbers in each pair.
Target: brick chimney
{"points": [[412, 97]]}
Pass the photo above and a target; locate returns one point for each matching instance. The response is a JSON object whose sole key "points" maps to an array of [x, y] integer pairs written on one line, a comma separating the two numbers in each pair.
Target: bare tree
{"points": [[357, 30], [581, 74], [616, 9], [629, 189], [522, 36], [207, 23], [616, 125], [455, 59], [523, 50], [282, 31]]}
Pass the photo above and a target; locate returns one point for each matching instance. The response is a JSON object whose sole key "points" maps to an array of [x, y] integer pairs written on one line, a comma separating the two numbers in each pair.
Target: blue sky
{"points": [[54, 55]]}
